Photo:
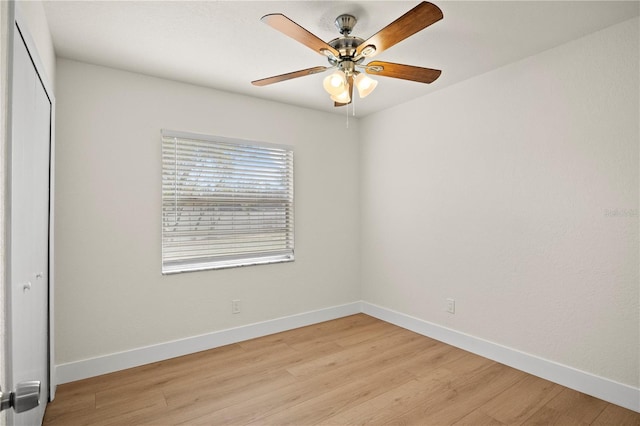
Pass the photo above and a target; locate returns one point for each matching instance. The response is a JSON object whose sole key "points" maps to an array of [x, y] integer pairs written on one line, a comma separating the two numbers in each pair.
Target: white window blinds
{"points": [[224, 203]]}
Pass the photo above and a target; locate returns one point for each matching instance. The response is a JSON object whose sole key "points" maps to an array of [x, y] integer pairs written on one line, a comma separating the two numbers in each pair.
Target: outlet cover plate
{"points": [[451, 306]]}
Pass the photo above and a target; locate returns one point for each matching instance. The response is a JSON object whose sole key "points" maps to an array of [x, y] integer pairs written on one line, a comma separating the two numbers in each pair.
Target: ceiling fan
{"points": [[347, 53]]}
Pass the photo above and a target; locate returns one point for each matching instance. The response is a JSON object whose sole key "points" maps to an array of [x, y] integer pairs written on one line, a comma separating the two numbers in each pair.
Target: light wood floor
{"points": [[355, 370]]}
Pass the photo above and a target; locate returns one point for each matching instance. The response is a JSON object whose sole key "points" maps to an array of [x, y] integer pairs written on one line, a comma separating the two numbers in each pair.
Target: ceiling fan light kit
{"points": [[364, 84], [341, 98], [346, 53], [335, 83]]}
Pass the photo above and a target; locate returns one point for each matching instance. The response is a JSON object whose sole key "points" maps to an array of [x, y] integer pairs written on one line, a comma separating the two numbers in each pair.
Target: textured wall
{"points": [[516, 194], [110, 295]]}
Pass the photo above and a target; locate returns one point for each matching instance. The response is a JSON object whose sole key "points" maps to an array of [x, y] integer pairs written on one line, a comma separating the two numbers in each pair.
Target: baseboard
{"points": [[92, 367], [605, 389], [599, 387]]}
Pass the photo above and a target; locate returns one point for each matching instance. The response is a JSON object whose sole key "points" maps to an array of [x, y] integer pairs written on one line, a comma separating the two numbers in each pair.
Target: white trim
{"points": [[599, 387], [119, 361]]}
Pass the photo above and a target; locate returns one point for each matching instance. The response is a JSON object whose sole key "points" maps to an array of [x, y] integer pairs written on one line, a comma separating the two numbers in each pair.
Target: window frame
{"points": [[285, 216]]}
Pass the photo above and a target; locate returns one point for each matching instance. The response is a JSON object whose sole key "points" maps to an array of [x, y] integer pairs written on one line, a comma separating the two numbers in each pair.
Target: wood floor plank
{"points": [[577, 406], [360, 352], [430, 385], [68, 403], [235, 385], [461, 395], [478, 418], [175, 367], [368, 332], [322, 332], [354, 370], [201, 404], [221, 376], [437, 356], [468, 365], [614, 415], [387, 406], [520, 401], [547, 416], [334, 401], [141, 410]]}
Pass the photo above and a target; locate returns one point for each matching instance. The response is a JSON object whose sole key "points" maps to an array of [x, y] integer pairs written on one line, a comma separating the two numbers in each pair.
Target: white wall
{"points": [[516, 193], [110, 294]]}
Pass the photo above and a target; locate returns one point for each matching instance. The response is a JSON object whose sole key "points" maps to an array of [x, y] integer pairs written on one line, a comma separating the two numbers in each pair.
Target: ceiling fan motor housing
{"points": [[346, 46]]}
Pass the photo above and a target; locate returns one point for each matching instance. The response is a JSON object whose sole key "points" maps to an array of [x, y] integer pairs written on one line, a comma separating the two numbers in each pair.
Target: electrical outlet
{"points": [[235, 306], [451, 306]]}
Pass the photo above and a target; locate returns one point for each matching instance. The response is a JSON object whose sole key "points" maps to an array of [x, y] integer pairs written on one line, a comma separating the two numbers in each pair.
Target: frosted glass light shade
{"points": [[365, 85], [335, 83], [342, 97]]}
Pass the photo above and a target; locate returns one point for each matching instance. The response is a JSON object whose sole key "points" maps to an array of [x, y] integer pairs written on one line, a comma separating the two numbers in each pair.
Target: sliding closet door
{"points": [[30, 153]]}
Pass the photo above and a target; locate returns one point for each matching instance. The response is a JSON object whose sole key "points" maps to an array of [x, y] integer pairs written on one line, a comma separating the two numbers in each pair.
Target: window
{"points": [[225, 202]]}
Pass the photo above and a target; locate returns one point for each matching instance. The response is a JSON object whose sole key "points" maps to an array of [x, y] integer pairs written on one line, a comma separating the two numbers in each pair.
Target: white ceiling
{"points": [[223, 44]]}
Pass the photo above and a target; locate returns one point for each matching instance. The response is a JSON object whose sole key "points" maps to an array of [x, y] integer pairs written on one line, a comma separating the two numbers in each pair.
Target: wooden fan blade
{"points": [[417, 19], [287, 27], [350, 82], [289, 76], [405, 72]]}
